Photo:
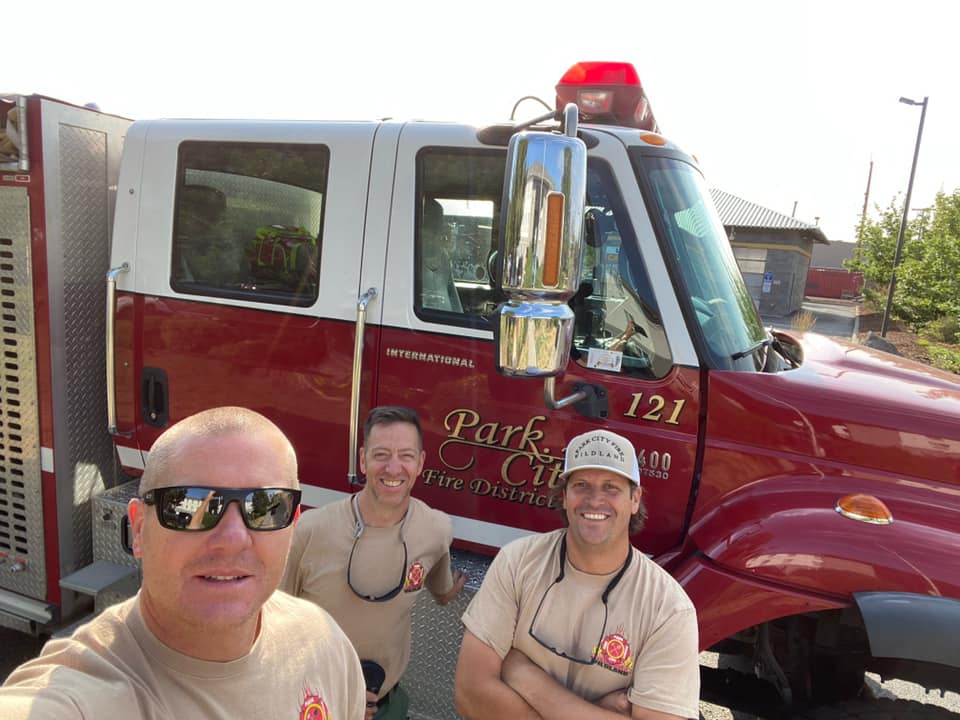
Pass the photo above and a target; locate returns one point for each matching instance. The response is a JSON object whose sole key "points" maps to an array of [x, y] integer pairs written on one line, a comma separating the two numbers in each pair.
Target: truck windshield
{"points": [[707, 275]]}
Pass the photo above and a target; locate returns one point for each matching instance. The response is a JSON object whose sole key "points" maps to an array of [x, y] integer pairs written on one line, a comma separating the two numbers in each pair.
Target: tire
{"points": [[882, 709], [836, 679]]}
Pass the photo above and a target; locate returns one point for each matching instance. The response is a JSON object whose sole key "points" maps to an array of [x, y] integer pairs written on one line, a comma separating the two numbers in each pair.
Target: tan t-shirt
{"points": [[317, 571], [648, 642], [114, 667]]}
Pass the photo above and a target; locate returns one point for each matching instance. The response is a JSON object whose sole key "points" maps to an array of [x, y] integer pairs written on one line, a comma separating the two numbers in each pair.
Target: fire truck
{"points": [[517, 284]]}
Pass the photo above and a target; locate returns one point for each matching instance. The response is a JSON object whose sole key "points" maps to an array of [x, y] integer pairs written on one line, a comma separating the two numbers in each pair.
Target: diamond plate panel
{"points": [[22, 567], [86, 257], [108, 513], [436, 644]]}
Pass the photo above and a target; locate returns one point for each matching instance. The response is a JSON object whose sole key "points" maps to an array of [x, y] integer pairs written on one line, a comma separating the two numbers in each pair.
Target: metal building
{"points": [[772, 249]]}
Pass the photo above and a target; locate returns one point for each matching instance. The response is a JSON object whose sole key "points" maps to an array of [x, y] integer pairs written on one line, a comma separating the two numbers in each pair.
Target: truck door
{"points": [[493, 450], [244, 241]]}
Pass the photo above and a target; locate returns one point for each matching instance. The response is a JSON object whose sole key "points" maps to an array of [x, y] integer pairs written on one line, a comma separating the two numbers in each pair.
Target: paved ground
{"points": [[17, 648], [893, 689], [837, 318]]}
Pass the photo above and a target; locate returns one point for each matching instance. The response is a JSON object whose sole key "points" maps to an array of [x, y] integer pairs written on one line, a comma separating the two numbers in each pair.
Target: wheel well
{"points": [[821, 657]]}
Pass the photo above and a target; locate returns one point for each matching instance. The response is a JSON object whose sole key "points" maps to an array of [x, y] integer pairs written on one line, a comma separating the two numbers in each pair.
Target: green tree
{"points": [[928, 277], [928, 282], [875, 250]]}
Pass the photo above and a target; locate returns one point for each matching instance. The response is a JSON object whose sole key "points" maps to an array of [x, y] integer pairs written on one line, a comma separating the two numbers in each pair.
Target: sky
{"points": [[784, 103]]}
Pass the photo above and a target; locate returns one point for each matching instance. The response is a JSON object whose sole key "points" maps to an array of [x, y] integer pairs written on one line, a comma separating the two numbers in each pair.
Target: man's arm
{"points": [[48, 687], [640, 713], [552, 700], [667, 668], [443, 582], [479, 692], [18, 704], [459, 580]]}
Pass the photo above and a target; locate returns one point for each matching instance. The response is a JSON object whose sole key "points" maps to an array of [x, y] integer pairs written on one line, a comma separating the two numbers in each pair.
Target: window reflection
{"points": [[248, 221], [458, 214], [618, 327]]}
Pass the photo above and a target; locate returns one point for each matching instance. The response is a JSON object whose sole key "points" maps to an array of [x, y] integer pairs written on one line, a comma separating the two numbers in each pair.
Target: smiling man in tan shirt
{"points": [[207, 635], [577, 622], [366, 558]]}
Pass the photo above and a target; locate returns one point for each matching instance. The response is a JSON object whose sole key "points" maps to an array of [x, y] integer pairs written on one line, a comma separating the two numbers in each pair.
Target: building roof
{"points": [[739, 213]]}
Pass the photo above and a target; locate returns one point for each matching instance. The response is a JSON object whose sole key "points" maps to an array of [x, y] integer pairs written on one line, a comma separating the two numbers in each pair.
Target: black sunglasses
{"points": [[572, 657], [198, 508], [357, 532]]}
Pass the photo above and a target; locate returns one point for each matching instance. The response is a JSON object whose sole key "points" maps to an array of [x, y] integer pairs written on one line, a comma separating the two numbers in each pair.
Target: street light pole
{"points": [[903, 219]]}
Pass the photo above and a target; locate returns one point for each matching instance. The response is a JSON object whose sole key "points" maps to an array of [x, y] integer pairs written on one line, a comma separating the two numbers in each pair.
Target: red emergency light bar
{"points": [[607, 92]]}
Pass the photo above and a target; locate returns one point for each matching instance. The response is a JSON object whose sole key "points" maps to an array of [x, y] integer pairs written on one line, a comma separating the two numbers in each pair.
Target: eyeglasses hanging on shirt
{"points": [[574, 652], [359, 527]]}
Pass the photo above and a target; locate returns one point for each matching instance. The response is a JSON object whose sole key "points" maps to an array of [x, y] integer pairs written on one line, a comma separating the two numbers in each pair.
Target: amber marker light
{"points": [[865, 508], [551, 251], [652, 139]]}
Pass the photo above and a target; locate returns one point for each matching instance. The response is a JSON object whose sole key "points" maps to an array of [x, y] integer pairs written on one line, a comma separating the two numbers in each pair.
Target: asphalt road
{"points": [[17, 648], [837, 318]]}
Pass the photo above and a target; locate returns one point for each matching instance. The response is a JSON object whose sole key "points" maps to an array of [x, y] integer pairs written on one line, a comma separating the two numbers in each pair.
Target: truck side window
{"points": [[458, 210], [248, 219], [615, 308], [458, 215]]}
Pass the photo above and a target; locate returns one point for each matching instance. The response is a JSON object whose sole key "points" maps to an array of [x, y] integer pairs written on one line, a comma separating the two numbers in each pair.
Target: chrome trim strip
{"points": [[23, 163], [355, 382], [111, 319], [863, 518]]}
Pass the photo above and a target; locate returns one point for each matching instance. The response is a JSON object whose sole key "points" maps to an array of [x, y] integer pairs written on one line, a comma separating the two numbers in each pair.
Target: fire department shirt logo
{"points": [[614, 654], [313, 707], [414, 577]]}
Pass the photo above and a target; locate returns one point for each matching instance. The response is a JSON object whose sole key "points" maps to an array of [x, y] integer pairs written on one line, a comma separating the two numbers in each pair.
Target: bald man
{"points": [[207, 635]]}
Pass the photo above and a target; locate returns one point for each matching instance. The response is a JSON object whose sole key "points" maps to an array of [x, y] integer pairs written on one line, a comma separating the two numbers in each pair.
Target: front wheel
{"points": [[882, 709]]}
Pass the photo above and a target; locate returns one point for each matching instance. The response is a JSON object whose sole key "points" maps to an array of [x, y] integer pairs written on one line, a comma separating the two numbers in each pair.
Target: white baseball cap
{"points": [[602, 450]]}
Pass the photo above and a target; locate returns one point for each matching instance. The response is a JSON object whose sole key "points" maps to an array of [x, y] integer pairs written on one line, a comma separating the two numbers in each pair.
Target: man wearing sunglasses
{"points": [[366, 558], [207, 635], [577, 622]]}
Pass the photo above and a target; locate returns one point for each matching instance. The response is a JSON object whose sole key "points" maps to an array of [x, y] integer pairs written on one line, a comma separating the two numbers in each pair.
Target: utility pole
{"points": [[906, 210], [866, 201]]}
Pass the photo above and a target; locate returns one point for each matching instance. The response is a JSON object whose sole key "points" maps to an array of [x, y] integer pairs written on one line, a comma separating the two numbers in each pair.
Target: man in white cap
{"points": [[577, 622]]}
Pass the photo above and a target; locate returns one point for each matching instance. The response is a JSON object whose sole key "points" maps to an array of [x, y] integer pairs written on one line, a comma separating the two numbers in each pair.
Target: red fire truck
{"points": [[517, 284]]}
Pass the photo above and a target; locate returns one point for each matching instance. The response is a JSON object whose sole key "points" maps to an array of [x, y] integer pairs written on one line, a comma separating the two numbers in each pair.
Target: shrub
{"points": [[803, 320], [945, 358], [945, 329]]}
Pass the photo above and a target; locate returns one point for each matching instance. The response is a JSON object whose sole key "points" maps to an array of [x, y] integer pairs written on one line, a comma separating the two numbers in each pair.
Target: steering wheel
{"points": [[711, 325], [492, 266], [702, 306]]}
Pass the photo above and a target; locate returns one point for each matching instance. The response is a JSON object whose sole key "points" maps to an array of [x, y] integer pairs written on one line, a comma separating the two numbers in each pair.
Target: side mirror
{"points": [[539, 254]]}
